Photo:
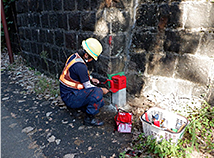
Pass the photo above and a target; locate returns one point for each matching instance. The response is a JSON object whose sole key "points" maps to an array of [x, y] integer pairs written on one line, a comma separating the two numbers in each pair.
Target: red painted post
{"points": [[7, 38]]}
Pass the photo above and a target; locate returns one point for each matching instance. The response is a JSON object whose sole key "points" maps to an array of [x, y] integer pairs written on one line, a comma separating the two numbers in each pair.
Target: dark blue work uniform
{"points": [[89, 100]]}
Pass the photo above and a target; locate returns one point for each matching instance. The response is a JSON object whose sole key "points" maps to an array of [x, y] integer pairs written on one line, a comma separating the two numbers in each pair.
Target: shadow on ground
{"points": [[53, 131]]}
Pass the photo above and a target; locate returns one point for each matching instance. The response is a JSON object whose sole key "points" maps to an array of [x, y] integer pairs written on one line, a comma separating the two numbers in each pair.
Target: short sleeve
{"points": [[79, 72]]}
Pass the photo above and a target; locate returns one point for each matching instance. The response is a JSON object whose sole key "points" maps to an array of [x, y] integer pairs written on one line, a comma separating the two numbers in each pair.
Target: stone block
{"points": [[83, 5], [116, 64], [184, 89], [33, 48], [53, 21], [74, 21], [32, 5], [28, 34], [42, 36], [39, 48], [57, 5], [119, 98], [88, 21], [146, 15], [164, 10], [121, 22], [189, 42], [55, 54], [62, 21], [95, 5], [39, 6], [175, 16], [50, 36], [69, 5], [48, 5], [138, 62], [70, 40], [101, 66], [197, 15], [143, 41], [59, 38], [102, 27], [181, 42], [24, 20], [167, 86], [172, 42], [122, 5], [30, 20], [118, 45], [206, 46], [45, 20], [26, 46], [161, 65], [21, 33], [21, 6], [135, 82], [63, 55], [36, 21], [193, 69]]}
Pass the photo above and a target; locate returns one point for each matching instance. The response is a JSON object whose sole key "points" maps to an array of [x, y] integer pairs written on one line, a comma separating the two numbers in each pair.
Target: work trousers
{"points": [[89, 100]]}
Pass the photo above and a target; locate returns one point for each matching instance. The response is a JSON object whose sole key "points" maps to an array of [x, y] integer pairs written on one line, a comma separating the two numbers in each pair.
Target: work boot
{"points": [[74, 112], [92, 121]]}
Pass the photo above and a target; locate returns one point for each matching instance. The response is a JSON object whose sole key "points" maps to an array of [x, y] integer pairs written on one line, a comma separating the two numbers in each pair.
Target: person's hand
{"points": [[95, 81], [105, 90]]}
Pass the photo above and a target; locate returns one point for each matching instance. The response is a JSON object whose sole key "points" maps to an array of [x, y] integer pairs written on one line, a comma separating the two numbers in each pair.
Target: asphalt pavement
{"points": [[34, 128]]}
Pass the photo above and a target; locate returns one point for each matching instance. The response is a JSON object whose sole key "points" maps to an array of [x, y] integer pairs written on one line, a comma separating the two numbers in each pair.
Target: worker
{"points": [[78, 89]]}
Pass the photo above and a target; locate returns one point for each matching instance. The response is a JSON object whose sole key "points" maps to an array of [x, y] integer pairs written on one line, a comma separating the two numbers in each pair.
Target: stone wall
{"points": [[165, 48], [172, 53], [52, 30]]}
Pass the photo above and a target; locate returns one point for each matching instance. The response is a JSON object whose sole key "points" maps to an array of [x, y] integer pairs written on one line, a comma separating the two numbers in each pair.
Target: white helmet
{"points": [[93, 47]]}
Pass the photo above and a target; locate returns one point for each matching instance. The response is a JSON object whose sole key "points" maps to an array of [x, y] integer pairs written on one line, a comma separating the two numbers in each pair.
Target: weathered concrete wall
{"points": [[165, 48]]}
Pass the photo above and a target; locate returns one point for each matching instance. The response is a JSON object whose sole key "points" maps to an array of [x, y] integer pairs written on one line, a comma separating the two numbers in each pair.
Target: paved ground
{"points": [[34, 128]]}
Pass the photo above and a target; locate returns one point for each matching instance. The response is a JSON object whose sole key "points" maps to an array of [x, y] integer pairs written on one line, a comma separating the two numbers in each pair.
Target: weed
{"points": [[199, 136], [122, 155], [45, 86], [44, 55]]}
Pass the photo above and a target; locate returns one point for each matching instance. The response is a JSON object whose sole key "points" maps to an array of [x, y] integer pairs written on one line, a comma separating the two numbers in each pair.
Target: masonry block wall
{"points": [[165, 48], [52, 30], [172, 52]]}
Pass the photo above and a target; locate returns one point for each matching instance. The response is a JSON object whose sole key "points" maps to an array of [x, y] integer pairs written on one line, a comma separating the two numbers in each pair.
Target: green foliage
{"points": [[45, 86], [161, 149], [200, 130], [7, 6], [122, 155], [199, 136]]}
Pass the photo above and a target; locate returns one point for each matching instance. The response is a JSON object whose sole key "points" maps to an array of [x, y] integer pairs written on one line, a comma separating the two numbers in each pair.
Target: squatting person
{"points": [[76, 88]]}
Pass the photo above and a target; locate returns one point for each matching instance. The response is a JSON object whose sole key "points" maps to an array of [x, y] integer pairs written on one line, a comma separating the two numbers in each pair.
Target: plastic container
{"points": [[171, 121]]}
